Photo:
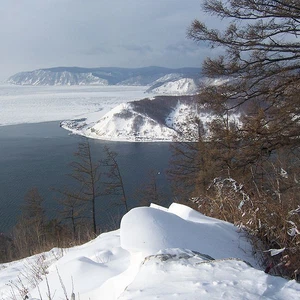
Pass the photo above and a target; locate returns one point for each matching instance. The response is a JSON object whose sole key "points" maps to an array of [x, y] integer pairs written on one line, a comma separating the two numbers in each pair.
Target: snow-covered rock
{"points": [[187, 276], [158, 253], [162, 230]]}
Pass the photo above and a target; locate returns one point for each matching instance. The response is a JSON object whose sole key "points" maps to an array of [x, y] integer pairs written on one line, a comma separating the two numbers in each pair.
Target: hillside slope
{"points": [[163, 118]]}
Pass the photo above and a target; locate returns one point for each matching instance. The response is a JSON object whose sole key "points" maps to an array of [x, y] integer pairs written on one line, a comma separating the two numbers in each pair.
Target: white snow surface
{"points": [[36, 104], [115, 126], [92, 111], [100, 112], [123, 123], [182, 86], [158, 253]]}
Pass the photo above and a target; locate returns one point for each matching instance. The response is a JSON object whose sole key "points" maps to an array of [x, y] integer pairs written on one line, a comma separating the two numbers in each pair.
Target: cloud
{"points": [[141, 49], [98, 50], [183, 48], [37, 34]]}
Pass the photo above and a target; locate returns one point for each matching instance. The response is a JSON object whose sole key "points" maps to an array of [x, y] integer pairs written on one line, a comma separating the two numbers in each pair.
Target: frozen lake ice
{"points": [[35, 104]]}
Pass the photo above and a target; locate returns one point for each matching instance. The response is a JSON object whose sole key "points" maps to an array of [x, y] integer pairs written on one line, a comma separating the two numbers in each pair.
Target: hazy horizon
{"points": [[133, 33]]}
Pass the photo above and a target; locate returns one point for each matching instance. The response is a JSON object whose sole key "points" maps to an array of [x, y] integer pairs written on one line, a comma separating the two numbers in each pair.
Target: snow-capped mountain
{"points": [[148, 76]]}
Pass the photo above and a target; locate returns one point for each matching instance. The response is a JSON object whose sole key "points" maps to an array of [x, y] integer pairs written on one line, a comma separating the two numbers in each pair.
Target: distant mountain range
{"points": [[158, 79]]}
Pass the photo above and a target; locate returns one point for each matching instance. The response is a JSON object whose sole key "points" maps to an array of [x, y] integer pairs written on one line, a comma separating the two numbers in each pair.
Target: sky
{"points": [[96, 33]]}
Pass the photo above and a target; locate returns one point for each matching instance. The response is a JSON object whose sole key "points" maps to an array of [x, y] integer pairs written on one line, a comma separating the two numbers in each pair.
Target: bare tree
{"points": [[150, 191], [87, 174], [29, 234], [261, 61], [260, 66], [114, 184], [73, 210]]}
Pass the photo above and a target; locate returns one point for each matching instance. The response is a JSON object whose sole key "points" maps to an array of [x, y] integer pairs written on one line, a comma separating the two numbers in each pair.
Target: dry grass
{"points": [[271, 224]]}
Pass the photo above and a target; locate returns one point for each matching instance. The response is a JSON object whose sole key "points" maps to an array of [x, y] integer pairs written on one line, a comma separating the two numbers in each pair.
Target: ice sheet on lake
{"points": [[27, 104]]}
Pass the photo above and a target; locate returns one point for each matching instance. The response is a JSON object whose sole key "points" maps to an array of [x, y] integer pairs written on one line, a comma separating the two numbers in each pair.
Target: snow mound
{"points": [[87, 267], [158, 253], [149, 230], [190, 214]]}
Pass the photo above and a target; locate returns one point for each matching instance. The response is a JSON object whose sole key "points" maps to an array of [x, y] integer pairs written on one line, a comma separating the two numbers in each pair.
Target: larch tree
{"points": [[114, 184], [262, 63], [29, 234], [150, 191], [87, 174], [255, 132], [261, 68]]}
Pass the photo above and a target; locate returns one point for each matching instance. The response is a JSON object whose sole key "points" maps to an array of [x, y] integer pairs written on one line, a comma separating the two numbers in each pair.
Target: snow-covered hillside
{"points": [[44, 77], [122, 123], [183, 86], [159, 119], [158, 253], [206, 81]]}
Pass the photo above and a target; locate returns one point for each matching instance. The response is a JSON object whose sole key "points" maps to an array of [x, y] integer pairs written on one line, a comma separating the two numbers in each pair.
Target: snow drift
{"points": [[174, 253], [163, 230]]}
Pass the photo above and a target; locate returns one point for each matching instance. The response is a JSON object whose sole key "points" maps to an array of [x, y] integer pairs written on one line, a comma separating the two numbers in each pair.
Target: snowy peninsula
{"points": [[151, 104]]}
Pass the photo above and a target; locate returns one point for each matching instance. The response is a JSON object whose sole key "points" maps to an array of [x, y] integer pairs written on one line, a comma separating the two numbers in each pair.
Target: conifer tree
{"points": [[261, 65], [254, 134]]}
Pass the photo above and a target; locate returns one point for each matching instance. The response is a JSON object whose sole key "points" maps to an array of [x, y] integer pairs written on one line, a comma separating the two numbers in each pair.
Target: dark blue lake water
{"points": [[38, 155]]}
